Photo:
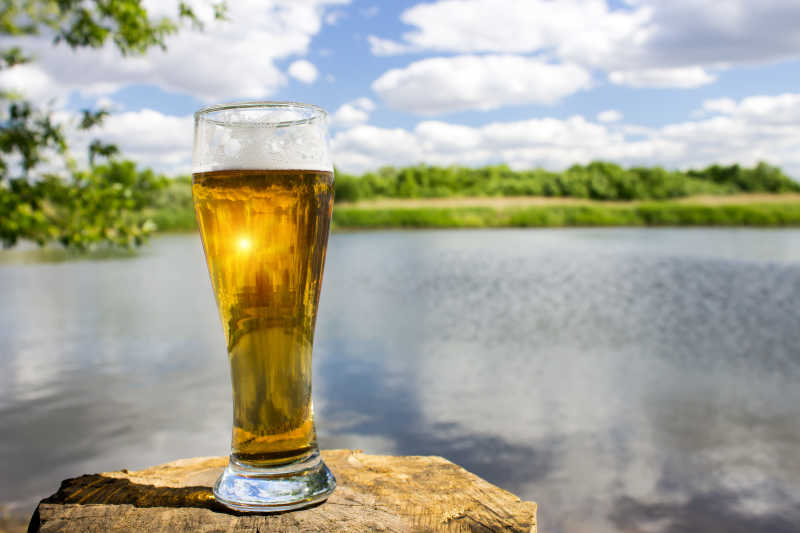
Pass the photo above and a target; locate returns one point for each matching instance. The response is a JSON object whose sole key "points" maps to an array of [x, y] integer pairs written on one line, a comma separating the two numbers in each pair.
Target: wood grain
{"points": [[374, 493]]}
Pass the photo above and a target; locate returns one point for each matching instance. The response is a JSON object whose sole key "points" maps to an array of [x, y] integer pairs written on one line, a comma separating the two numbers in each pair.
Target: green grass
{"points": [[172, 212], [422, 217], [178, 215], [651, 214]]}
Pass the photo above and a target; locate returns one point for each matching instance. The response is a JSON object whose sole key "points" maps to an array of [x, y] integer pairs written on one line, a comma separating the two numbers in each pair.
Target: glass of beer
{"points": [[262, 183]]}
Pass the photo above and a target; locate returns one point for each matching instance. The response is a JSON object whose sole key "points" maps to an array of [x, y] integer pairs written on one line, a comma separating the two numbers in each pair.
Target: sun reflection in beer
{"points": [[244, 244]]}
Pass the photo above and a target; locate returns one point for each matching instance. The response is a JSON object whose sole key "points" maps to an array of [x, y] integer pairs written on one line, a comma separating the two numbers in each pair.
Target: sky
{"points": [[529, 83]]}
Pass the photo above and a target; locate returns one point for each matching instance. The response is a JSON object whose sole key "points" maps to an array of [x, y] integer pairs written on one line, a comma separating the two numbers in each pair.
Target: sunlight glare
{"points": [[244, 244]]}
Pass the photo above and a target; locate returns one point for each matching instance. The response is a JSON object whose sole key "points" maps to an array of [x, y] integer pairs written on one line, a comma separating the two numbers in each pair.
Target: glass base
{"points": [[268, 489]]}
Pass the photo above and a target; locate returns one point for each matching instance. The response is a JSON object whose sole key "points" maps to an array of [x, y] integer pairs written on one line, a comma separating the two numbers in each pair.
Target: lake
{"points": [[625, 379]]}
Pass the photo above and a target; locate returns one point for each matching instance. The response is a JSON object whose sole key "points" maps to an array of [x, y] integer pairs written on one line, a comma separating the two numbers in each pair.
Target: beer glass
{"points": [[262, 184]]}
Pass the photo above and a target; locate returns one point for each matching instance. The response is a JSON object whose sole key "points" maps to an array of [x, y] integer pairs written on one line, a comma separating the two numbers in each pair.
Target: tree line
{"points": [[599, 180]]}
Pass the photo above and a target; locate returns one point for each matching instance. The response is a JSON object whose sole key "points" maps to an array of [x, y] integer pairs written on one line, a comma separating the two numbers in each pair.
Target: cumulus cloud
{"points": [[303, 70], [609, 115], [683, 78], [108, 104], [510, 26], [762, 127], [697, 32], [334, 17], [782, 109], [231, 59], [151, 138], [647, 43], [752, 129], [352, 113], [33, 82], [387, 47], [478, 82], [721, 105], [646, 33]]}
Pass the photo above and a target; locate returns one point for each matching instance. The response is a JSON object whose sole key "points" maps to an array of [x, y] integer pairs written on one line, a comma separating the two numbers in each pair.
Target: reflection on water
{"points": [[625, 379]]}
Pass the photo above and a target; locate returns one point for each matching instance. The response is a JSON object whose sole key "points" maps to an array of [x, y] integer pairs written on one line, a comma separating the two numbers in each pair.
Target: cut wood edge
{"points": [[409, 493]]}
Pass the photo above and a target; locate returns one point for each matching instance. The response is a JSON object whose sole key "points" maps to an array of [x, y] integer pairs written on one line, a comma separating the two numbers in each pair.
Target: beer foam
{"points": [[279, 136]]}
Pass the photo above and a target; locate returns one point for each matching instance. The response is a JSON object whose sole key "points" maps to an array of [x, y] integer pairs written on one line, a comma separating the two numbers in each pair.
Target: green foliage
{"points": [[13, 56], [92, 118], [82, 23], [97, 148], [172, 208], [125, 21], [598, 181], [103, 204], [347, 188]]}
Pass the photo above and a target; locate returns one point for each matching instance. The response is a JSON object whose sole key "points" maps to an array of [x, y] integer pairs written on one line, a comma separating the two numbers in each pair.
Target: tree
{"points": [[78, 208]]}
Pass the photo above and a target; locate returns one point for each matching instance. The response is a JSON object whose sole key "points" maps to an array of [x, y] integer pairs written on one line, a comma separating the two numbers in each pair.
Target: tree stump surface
{"points": [[373, 493]]}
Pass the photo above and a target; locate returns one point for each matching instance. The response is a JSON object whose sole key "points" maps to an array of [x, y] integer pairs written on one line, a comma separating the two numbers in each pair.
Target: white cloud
{"points": [[682, 78], [349, 115], [478, 82], [334, 17], [752, 129], [231, 59], [33, 82], [647, 43], [511, 26], [609, 115], [352, 113], [386, 47], [763, 127], [367, 147], [720, 105], [150, 138], [646, 33], [303, 70], [364, 103], [443, 138], [779, 110], [697, 32]]}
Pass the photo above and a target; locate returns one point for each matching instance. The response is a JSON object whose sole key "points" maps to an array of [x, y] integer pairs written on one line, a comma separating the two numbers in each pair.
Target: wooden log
{"points": [[374, 493]]}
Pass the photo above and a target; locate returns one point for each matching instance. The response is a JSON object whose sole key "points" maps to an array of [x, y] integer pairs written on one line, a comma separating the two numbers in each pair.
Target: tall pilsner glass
{"points": [[262, 182]]}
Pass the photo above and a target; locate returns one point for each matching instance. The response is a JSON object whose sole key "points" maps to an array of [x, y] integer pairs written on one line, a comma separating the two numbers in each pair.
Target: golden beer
{"points": [[262, 183], [265, 233]]}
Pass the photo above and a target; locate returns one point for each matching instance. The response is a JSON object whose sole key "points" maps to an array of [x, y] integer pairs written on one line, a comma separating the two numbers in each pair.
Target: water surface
{"points": [[625, 379]]}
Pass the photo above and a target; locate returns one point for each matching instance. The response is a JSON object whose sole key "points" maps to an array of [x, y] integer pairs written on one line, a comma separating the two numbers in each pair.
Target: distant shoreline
{"points": [[760, 210], [746, 210], [526, 201]]}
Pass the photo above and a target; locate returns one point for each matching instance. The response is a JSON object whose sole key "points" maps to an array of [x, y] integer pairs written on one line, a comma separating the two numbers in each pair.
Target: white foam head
{"points": [[261, 136]]}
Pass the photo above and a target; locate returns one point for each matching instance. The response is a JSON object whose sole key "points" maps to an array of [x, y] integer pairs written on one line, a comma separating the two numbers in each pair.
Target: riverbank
{"points": [[546, 212], [758, 210]]}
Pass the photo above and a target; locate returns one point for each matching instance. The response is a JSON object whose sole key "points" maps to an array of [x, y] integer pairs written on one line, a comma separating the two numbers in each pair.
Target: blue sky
{"points": [[530, 83]]}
